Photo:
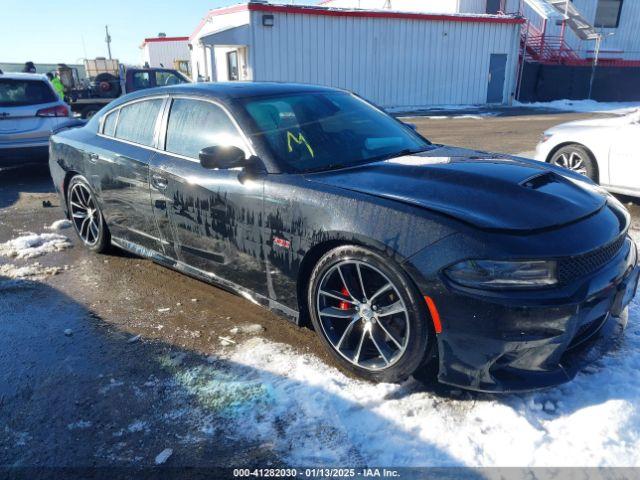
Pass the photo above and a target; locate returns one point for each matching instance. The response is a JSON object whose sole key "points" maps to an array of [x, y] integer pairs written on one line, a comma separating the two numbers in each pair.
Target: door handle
{"points": [[159, 182]]}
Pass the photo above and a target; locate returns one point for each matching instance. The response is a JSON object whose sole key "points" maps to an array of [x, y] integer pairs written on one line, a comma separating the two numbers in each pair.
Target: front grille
{"points": [[575, 267]]}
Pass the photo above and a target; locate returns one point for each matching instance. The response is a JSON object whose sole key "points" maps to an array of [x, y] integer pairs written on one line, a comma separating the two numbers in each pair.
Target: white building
{"points": [[393, 58], [431, 6], [167, 52]]}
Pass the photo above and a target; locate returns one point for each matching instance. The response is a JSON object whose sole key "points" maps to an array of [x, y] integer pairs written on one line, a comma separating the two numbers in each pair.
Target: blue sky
{"points": [[46, 31]]}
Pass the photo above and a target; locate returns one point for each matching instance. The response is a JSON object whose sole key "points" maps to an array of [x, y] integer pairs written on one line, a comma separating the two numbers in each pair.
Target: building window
{"points": [[608, 13]]}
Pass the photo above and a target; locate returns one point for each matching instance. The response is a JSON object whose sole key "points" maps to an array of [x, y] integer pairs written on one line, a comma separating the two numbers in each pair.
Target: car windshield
{"points": [[323, 131], [19, 93]]}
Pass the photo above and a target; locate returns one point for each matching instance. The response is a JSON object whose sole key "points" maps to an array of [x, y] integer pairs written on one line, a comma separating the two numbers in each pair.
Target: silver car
{"points": [[30, 110]]}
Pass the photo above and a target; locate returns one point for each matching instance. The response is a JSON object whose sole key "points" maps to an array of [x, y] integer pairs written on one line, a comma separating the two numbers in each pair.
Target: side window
{"points": [[109, 125], [167, 78], [137, 121], [140, 80], [194, 125]]}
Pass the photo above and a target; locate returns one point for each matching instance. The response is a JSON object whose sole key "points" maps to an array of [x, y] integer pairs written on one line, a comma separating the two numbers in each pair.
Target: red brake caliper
{"points": [[344, 305]]}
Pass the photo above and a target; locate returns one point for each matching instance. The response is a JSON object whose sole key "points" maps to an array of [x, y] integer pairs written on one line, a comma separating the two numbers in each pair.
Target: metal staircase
{"points": [[542, 48], [575, 21]]}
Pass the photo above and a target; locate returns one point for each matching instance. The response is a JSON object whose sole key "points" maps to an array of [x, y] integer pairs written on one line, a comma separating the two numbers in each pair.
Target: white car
{"points": [[607, 150], [30, 110]]}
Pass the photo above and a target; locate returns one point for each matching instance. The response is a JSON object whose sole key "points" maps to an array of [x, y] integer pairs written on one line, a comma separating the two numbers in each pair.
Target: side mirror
{"points": [[223, 158]]}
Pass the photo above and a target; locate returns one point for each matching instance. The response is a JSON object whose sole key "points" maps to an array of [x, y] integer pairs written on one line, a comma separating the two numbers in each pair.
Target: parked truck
{"points": [[108, 79]]}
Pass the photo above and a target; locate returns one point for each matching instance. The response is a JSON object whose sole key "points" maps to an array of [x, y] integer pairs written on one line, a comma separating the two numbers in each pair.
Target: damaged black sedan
{"points": [[494, 272]]}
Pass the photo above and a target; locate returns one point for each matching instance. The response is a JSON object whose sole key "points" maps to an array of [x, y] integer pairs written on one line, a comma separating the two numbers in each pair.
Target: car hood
{"points": [[610, 122], [486, 190]]}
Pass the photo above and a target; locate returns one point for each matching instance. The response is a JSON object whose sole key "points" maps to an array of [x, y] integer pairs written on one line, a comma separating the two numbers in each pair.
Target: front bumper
{"points": [[511, 342]]}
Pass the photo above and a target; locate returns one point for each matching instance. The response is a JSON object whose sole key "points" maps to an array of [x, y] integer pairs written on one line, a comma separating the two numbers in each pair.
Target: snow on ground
{"points": [[59, 225], [34, 245], [33, 271], [312, 414], [616, 108]]}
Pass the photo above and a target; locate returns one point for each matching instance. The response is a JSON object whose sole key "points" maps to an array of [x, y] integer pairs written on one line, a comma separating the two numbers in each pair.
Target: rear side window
{"points": [[194, 125], [109, 127], [137, 121], [20, 93]]}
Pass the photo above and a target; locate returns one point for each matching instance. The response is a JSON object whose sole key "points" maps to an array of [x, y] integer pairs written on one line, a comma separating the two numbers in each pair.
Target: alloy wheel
{"points": [[573, 161], [363, 315], [85, 214]]}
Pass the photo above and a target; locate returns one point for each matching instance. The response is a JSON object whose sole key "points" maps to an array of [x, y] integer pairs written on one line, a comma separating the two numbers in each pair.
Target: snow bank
{"points": [[34, 245], [312, 414], [617, 108]]}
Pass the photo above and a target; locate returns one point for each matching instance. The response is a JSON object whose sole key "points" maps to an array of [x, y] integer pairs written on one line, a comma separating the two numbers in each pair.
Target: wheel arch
{"points": [[568, 143], [315, 253], [69, 174]]}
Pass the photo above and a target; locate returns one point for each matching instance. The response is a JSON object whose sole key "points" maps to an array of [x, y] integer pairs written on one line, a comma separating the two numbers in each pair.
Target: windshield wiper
{"points": [[401, 153], [380, 158]]}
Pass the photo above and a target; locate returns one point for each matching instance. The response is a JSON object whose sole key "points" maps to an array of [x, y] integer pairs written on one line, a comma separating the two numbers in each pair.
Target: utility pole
{"points": [[108, 40], [595, 64]]}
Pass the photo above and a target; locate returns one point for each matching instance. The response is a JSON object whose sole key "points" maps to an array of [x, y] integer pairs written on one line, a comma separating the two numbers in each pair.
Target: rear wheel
{"points": [[369, 314], [86, 216], [577, 159]]}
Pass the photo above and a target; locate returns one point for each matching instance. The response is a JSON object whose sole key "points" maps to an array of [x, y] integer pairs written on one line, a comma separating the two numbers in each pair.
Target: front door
{"points": [[497, 71], [209, 219], [624, 163], [232, 66]]}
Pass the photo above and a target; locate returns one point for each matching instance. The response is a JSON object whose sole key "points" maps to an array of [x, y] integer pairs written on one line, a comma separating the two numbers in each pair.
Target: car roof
{"points": [[228, 90], [23, 76]]}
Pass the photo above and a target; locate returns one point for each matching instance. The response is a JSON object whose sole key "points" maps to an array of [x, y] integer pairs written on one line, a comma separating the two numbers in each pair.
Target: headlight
{"points": [[503, 275]]}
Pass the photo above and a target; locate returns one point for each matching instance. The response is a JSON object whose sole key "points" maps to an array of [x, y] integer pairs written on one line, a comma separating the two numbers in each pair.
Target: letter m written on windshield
{"points": [[300, 140]]}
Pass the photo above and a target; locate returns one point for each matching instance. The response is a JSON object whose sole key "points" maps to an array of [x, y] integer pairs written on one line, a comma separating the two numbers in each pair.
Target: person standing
{"points": [[29, 67], [57, 84]]}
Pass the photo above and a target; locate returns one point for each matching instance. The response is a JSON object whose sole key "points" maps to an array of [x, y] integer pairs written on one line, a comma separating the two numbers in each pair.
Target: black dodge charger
{"points": [[493, 272]]}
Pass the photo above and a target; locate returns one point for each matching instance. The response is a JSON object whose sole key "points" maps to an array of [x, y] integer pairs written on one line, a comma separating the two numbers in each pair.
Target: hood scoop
{"points": [[541, 180]]}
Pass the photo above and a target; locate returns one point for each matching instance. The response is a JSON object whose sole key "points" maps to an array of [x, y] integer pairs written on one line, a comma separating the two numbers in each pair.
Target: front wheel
{"points": [[86, 216], [369, 314], [577, 159]]}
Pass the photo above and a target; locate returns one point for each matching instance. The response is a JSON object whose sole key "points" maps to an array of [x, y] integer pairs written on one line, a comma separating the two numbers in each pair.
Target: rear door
{"points": [[210, 219], [119, 166], [29, 110]]}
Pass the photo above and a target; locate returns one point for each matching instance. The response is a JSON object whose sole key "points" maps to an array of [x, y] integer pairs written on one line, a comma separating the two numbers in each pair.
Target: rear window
{"points": [[20, 93], [137, 121]]}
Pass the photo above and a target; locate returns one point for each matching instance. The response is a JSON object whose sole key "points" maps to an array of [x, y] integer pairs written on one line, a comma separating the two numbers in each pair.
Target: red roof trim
{"points": [[343, 12], [165, 39], [335, 12], [242, 7]]}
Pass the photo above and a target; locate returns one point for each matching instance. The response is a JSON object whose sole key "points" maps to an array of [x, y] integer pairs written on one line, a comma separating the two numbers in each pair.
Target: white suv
{"points": [[30, 110]]}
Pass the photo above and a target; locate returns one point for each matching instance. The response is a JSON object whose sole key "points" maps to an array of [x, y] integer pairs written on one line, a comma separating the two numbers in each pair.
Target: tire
{"points": [[576, 158], [89, 112], [92, 229], [376, 346]]}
